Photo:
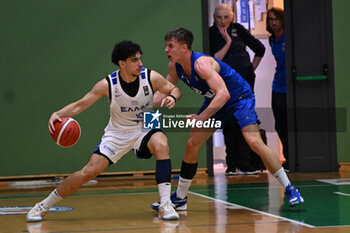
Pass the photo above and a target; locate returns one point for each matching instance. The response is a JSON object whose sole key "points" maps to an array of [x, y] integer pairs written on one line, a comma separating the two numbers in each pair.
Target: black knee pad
{"points": [[188, 170]]}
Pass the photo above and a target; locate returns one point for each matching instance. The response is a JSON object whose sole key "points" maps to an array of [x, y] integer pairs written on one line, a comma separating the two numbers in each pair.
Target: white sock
{"points": [[282, 177], [164, 190], [52, 199], [182, 188]]}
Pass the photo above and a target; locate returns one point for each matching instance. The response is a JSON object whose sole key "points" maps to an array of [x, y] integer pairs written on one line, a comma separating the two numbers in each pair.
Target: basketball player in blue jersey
{"points": [[130, 92], [226, 93]]}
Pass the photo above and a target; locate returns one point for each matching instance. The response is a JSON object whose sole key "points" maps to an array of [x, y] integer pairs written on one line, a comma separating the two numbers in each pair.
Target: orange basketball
{"points": [[67, 132]]}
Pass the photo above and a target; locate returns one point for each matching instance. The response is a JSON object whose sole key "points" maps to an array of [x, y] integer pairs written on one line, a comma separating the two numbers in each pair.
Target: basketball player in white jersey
{"points": [[130, 92]]}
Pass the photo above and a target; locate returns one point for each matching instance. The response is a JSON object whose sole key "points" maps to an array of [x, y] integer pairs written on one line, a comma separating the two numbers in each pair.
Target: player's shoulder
{"points": [[204, 59], [103, 83], [101, 87], [206, 63], [155, 77], [113, 74], [154, 74]]}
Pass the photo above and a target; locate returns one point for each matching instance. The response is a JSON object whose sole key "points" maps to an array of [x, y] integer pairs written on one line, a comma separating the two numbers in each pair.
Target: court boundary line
{"points": [[254, 210], [342, 194], [333, 226]]}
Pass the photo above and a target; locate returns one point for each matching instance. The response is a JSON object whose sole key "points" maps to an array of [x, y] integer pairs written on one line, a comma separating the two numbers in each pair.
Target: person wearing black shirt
{"points": [[228, 42]]}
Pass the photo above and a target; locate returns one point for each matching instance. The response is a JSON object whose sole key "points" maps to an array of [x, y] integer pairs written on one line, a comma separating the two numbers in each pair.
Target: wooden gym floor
{"points": [[216, 204]]}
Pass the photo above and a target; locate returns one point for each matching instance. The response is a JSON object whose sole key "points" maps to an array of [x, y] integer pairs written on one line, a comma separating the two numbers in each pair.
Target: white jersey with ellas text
{"points": [[127, 112]]}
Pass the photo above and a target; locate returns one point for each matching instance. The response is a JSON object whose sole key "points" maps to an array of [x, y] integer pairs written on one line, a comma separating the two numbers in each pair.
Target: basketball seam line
{"points": [[62, 130]]}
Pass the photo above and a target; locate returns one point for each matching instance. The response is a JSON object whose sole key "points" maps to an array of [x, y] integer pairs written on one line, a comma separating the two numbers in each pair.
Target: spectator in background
{"points": [[228, 42], [275, 26]]}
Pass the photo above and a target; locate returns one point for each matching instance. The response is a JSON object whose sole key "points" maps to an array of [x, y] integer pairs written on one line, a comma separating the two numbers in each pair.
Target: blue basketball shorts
{"points": [[243, 110]]}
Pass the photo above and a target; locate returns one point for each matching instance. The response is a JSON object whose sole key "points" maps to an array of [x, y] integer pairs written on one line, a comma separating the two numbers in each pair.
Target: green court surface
{"points": [[325, 204]]}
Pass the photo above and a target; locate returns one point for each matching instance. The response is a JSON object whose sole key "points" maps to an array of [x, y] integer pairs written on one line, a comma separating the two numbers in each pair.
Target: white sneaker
{"points": [[180, 204], [37, 213], [167, 211]]}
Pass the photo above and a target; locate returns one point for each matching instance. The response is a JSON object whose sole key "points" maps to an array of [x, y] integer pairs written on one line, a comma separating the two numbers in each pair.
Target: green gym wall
{"points": [[53, 52]]}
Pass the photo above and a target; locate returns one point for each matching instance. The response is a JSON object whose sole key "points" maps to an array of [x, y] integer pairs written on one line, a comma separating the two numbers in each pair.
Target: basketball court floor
{"points": [[216, 204]]}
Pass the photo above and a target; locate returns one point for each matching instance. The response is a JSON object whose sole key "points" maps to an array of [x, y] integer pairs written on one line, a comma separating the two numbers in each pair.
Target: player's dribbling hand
{"points": [[54, 117]]}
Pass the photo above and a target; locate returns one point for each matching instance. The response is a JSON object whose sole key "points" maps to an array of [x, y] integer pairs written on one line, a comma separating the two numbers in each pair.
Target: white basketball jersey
{"points": [[126, 112]]}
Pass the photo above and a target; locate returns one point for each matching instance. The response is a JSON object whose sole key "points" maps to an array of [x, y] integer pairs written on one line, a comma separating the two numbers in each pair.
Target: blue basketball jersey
{"points": [[242, 101], [235, 84]]}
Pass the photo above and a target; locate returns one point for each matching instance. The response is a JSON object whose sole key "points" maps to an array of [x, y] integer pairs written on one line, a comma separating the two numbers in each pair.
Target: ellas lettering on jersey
{"points": [[133, 109]]}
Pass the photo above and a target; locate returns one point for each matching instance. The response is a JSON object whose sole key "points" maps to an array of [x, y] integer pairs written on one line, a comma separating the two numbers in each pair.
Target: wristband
{"points": [[173, 97]]}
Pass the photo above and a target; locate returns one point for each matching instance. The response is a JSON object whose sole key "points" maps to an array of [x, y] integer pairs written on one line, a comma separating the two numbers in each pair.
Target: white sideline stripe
{"points": [[62, 130], [257, 211], [86, 195], [343, 194], [42, 183], [344, 181], [334, 226]]}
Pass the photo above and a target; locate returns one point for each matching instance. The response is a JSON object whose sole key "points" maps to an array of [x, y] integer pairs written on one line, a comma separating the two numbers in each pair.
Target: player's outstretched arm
{"points": [[167, 93], [99, 90], [208, 68]]}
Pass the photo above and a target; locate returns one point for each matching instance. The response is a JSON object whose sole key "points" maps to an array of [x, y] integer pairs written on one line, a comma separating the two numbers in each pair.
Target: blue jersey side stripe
{"points": [[143, 73]]}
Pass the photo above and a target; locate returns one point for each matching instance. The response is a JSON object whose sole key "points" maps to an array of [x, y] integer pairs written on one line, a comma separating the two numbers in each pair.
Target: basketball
{"points": [[67, 132]]}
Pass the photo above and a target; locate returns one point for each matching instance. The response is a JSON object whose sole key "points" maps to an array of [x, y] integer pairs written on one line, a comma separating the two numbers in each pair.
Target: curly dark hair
{"points": [[124, 50], [181, 35], [279, 13]]}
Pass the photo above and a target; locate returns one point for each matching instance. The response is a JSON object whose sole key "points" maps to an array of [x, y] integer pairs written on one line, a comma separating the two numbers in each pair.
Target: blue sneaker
{"points": [[294, 197], [180, 204]]}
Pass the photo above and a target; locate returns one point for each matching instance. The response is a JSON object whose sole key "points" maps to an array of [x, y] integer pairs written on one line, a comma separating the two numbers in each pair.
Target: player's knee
{"points": [[190, 145], [88, 174], [193, 144], [161, 148], [192, 151], [254, 144]]}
